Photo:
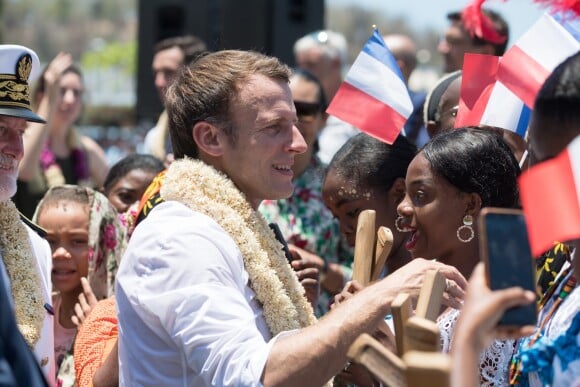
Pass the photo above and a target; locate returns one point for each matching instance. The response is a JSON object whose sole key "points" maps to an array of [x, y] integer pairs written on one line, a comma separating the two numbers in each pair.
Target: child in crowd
{"points": [[369, 174], [128, 178], [87, 240]]}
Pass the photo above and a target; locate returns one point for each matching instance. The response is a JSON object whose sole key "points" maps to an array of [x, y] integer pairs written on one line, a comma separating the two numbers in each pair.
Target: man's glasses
{"points": [[307, 111]]}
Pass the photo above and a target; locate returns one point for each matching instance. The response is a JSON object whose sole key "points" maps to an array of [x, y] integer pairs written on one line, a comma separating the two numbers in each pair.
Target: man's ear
{"points": [[208, 139]]}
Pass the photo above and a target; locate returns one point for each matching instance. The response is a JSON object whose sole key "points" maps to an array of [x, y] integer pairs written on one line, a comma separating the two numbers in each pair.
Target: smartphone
{"points": [[505, 249]]}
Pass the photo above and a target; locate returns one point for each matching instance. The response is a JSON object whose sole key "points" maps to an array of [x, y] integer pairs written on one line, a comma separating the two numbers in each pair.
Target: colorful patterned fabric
{"points": [[150, 198], [305, 222], [548, 305], [549, 265], [107, 242]]}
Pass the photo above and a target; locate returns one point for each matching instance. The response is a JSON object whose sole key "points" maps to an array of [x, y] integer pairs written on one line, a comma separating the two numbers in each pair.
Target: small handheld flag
{"points": [[526, 65], [486, 101], [550, 194], [373, 96]]}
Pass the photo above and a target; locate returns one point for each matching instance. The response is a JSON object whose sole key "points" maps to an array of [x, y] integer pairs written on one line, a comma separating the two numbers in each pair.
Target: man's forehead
{"points": [[12, 122]]}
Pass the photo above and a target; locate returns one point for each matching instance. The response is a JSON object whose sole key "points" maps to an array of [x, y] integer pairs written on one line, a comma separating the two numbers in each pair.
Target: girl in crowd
{"points": [[96, 341], [369, 174], [87, 240], [55, 153], [447, 184], [129, 178], [126, 183]]}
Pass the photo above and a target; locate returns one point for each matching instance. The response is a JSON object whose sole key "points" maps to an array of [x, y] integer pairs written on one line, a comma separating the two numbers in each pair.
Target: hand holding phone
{"points": [[505, 249]]}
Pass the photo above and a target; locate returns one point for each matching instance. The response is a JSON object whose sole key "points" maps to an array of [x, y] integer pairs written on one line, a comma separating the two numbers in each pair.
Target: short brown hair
{"points": [[203, 91], [191, 46]]}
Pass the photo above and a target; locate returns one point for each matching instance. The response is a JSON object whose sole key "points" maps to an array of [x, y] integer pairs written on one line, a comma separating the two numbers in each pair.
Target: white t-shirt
{"points": [[187, 316]]}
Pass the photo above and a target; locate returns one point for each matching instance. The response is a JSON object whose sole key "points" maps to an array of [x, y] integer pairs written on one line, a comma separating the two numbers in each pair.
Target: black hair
{"points": [[127, 164], [558, 101], [476, 161], [368, 162], [431, 106], [499, 23], [322, 101]]}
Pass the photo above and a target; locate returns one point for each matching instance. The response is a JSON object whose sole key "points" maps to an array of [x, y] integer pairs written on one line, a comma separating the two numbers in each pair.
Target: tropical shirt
{"points": [[305, 222]]}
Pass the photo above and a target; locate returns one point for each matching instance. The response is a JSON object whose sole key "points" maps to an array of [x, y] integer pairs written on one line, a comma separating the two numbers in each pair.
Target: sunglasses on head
{"points": [[307, 108]]}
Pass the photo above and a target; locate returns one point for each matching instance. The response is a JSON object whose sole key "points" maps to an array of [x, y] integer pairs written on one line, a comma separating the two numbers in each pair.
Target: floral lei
{"points": [[202, 188], [21, 268]]}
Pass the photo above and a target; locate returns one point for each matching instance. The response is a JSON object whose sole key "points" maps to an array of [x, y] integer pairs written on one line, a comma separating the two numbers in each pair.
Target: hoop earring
{"points": [[467, 222], [399, 228]]}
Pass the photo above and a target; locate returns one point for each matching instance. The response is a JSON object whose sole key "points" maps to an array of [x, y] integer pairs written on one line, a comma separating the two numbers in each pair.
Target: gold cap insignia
{"points": [[23, 67]]}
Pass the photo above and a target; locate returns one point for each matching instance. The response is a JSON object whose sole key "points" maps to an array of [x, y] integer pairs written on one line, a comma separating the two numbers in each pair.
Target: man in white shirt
{"points": [[205, 295], [26, 258]]}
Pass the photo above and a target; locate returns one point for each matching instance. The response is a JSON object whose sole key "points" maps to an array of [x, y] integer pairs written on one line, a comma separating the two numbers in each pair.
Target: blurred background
{"points": [[113, 41]]}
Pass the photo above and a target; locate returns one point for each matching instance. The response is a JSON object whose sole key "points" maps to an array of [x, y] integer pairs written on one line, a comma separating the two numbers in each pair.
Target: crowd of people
{"points": [[225, 255]]}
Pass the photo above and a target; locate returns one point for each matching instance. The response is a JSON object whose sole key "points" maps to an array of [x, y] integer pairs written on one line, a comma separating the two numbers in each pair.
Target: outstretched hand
{"points": [[87, 302]]}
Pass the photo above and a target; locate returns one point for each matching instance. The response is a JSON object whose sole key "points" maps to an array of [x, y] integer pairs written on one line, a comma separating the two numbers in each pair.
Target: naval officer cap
{"points": [[18, 64]]}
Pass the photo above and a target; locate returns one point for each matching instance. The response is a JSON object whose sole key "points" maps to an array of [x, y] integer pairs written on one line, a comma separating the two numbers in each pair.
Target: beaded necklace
{"points": [[516, 369]]}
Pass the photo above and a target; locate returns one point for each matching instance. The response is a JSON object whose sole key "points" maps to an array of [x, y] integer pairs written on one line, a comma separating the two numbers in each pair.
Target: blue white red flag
{"points": [[570, 22], [373, 96], [485, 101], [526, 65]]}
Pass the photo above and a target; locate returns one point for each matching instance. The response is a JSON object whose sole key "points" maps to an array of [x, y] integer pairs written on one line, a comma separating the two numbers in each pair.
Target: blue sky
{"points": [[520, 14]]}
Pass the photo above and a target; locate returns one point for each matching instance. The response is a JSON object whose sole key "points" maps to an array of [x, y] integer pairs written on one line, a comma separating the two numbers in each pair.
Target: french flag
{"points": [[373, 96], [484, 100], [526, 65], [550, 194]]}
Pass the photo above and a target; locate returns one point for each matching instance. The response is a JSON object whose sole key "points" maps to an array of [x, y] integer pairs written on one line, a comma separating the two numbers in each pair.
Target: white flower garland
{"points": [[21, 268], [203, 189]]}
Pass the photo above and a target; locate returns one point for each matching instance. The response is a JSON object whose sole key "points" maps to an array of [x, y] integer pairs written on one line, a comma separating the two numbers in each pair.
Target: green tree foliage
{"points": [[122, 55]]}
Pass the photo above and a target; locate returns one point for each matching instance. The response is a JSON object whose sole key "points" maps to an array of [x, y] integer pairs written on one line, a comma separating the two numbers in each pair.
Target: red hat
{"points": [[479, 25]]}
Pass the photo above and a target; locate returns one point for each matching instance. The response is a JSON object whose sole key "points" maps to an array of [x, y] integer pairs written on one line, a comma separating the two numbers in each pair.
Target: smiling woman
{"points": [[448, 183]]}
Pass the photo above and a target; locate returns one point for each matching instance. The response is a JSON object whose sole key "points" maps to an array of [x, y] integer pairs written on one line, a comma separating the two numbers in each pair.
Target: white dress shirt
{"points": [[187, 316]]}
